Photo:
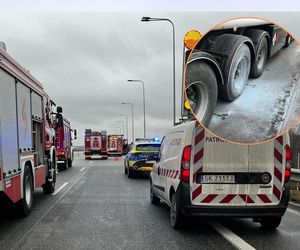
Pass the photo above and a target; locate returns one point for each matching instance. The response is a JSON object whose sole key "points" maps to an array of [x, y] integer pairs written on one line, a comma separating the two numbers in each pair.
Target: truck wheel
{"points": [[201, 90], [238, 73], [260, 59], [65, 164], [70, 163], [24, 205], [176, 217], [49, 185], [270, 222], [153, 198], [288, 41]]}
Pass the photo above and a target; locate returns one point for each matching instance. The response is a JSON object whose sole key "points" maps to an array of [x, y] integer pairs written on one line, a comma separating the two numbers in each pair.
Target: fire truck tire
{"points": [[176, 217], [261, 58], [237, 74], [270, 223], [153, 198], [49, 185], [201, 90], [24, 205], [70, 162], [65, 164]]}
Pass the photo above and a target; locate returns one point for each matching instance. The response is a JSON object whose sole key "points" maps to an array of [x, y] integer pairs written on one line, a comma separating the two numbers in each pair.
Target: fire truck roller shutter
{"points": [[24, 118], [8, 123]]}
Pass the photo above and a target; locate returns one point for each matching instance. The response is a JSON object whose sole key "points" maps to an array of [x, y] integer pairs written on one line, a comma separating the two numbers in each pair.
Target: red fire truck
{"points": [[115, 145], [27, 131], [64, 147], [95, 144]]}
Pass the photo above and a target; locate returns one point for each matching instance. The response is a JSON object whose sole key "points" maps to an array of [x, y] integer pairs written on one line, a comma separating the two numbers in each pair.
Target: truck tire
{"points": [[270, 223], [260, 60], [176, 217], [49, 185], [65, 164], [201, 90], [24, 205], [153, 198], [70, 162], [237, 73]]}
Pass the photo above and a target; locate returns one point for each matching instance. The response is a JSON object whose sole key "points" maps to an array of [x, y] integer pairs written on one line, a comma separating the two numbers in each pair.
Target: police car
{"points": [[198, 174], [141, 157]]}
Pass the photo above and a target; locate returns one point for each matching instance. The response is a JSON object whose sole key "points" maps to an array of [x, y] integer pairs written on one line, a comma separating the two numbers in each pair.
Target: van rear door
{"points": [[266, 172], [218, 171]]}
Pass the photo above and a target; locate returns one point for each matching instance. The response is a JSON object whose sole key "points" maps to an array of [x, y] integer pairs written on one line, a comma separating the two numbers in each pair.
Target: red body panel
{"points": [[13, 188], [40, 174]]}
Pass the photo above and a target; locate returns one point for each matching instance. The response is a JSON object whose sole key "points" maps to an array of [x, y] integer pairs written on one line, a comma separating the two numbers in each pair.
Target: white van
{"points": [[201, 175]]}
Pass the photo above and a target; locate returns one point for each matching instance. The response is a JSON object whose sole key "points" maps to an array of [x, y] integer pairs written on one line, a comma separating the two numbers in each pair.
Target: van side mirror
{"points": [[59, 120], [59, 110]]}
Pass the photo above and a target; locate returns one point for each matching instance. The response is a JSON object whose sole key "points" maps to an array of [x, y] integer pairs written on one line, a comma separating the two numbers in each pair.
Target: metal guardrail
{"points": [[295, 175]]}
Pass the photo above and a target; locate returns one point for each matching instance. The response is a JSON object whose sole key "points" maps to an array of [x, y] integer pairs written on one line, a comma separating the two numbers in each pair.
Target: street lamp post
{"points": [[126, 116], [144, 105], [122, 122], [128, 103], [150, 19]]}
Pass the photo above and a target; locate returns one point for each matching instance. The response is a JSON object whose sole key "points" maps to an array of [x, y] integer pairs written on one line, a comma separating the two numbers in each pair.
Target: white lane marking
{"points": [[235, 240], [60, 188], [82, 169]]}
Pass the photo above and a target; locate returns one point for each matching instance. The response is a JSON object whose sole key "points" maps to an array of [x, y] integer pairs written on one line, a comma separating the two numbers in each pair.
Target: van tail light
{"points": [[185, 164], [288, 165]]}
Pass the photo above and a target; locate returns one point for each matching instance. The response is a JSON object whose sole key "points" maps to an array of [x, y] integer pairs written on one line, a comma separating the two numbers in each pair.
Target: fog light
{"points": [[266, 178]]}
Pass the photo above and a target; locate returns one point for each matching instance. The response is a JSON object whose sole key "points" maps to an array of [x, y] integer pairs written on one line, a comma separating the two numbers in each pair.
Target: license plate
{"points": [[217, 178]]}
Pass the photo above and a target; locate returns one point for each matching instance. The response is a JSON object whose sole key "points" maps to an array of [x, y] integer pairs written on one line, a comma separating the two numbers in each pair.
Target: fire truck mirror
{"points": [[59, 109], [59, 120]]}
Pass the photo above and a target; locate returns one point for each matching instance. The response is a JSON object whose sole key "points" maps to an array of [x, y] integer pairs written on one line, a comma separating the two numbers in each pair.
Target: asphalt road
{"points": [[268, 105], [100, 208]]}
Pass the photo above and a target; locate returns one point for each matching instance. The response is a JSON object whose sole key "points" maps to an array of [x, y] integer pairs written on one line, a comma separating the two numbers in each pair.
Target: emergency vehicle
{"points": [[95, 144], [115, 145], [141, 157], [201, 175], [27, 135], [224, 58], [63, 144]]}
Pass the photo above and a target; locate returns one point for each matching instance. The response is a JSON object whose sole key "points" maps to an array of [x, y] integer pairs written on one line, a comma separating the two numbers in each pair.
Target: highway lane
{"points": [[100, 208]]}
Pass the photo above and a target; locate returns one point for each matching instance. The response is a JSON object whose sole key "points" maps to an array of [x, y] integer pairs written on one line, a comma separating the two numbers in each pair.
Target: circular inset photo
{"points": [[242, 80]]}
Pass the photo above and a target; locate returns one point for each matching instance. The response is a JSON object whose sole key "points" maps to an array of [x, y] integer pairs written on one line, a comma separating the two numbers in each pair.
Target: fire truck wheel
{"points": [[261, 58], [49, 186], [25, 204], [153, 198], [70, 163], [176, 217], [270, 223], [238, 73], [201, 90], [65, 164]]}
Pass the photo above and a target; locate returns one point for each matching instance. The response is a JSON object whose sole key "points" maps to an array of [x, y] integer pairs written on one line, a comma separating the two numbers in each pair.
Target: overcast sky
{"points": [[84, 59]]}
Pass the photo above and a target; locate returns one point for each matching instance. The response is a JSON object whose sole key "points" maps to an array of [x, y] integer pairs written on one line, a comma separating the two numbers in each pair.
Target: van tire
{"points": [[239, 66], [270, 223], [201, 84], [24, 205], [259, 63], [288, 41], [153, 198], [176, 217]]}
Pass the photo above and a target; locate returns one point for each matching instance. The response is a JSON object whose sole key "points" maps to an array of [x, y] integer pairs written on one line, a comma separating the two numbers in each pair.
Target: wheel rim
{"points": [[28, 191], [173, 210], [261, 57], [240, 74], [197, 94]]}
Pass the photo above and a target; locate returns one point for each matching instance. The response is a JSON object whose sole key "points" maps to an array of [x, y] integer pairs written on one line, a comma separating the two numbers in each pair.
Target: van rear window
{"points": [[148, 147]]}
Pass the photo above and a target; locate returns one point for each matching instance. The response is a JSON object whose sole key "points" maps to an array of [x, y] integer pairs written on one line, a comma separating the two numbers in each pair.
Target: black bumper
{"points": [[234, 211]]}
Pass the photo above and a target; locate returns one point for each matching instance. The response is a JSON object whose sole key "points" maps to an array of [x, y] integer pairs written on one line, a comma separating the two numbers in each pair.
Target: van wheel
{"points": [[49, 185], [238, 73], [176, 217], [153, 198], [288, 41], [24, 205], [261, 59], [201, 90], [270, 222]]}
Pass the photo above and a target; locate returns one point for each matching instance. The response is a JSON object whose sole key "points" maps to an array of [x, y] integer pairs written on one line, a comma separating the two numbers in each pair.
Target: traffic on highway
{"points": [[217, 177]]}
